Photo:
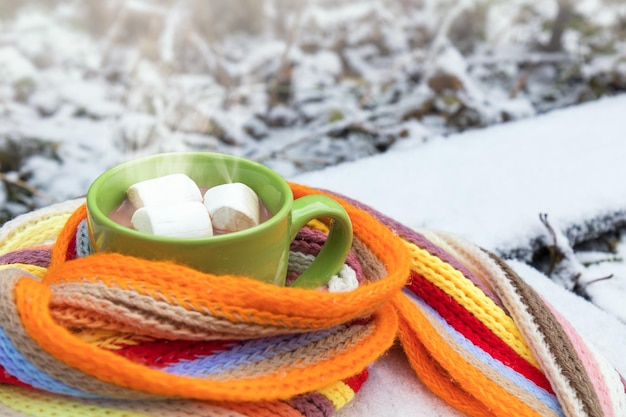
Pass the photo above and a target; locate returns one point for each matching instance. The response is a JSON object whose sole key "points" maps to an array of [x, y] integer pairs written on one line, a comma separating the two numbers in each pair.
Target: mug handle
{"points": [[337, 246]]}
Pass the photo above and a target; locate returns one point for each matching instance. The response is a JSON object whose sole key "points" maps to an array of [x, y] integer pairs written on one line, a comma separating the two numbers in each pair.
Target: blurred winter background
{"points": [[295, 84]]}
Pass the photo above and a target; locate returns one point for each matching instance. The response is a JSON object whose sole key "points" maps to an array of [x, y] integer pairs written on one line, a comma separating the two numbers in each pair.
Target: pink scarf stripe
{"points": [[610, 399]]}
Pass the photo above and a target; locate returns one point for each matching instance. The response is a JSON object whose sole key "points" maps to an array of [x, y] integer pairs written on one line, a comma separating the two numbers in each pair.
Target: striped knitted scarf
{"points": [[85, 334]]}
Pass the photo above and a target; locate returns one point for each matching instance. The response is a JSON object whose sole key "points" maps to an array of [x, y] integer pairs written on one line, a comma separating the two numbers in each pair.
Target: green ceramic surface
{"points": [[260, 252]]}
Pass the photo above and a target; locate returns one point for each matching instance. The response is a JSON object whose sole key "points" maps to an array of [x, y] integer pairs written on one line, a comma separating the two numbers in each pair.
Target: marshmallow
{"points": [[232, 207], [182, 219], [164, 190]]}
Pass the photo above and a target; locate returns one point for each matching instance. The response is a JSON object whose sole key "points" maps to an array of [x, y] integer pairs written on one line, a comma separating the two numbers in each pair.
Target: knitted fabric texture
{"points": [[85, 334]]}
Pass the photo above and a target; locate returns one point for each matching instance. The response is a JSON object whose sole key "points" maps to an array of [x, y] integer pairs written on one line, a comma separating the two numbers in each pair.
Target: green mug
{"points": [[260, 252]]}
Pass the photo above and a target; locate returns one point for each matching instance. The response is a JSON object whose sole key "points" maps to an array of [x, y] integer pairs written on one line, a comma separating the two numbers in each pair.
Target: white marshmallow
{"points": [[164, 190], [183, 219], [233, 207]]}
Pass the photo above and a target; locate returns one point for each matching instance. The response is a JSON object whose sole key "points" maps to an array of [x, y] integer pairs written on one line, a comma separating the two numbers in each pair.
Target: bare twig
{"points": [[525, 58], [212, 55], [204, 49], [20, 183], [365, 98], [556, 255], [173, 20], [561, 21], [284, 72], [441, 39], [114, 30], [593, 281], [519, 85], [147, 7], [581, 288]]}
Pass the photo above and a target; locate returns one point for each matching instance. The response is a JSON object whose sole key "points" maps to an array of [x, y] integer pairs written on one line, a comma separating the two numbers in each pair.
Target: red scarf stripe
{"points": [[161, 353], [7, 378], [475, 331], [356, 382]]}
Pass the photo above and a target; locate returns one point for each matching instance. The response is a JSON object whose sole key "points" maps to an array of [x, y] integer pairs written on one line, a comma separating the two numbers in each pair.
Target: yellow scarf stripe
{"points": [[110, 339], [338, 393], [34, 233], [464, 292], [34, 270], [37, 227], [318, 225], [36, 404]]}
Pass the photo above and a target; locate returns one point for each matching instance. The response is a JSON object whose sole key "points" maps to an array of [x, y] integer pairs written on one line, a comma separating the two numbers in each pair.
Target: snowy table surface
{"points": [[489, 186]]}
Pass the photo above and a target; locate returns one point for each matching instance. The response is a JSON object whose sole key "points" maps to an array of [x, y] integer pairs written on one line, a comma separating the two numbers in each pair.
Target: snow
{"points": [[41, 38], [490, 185], [14, 67], [329, 19]]}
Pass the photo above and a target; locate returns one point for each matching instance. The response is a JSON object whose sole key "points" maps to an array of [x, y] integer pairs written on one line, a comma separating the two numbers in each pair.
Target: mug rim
{"points": [[97, 214]]}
